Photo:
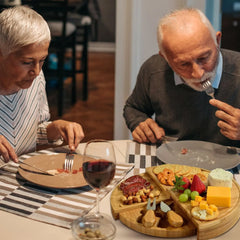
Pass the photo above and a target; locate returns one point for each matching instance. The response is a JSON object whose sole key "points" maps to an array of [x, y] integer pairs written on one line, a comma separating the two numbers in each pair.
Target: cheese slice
{"points": [[219, 196]]}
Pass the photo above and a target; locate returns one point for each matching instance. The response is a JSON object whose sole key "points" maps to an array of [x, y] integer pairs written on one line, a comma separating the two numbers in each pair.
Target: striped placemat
{"points": [[144, 155], [54, 206]]}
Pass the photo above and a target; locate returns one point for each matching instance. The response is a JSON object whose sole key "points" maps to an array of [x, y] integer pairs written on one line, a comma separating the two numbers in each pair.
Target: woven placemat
{"points": [[54, 206]]}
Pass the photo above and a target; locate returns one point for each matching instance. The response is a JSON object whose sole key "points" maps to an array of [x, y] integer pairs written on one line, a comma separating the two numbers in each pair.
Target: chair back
{"points": [[54, 12]]}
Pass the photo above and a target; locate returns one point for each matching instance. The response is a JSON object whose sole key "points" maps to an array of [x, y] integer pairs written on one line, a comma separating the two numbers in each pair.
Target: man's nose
{"points": [[197, 71]]}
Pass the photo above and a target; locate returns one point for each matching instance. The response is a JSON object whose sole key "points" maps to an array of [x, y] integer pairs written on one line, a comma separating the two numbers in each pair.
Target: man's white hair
{"points": [[21, 26], [172, 19]]}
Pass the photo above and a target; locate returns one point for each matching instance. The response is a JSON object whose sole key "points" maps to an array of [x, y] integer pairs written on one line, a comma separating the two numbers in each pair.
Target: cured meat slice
{"points": [[133, 184]]}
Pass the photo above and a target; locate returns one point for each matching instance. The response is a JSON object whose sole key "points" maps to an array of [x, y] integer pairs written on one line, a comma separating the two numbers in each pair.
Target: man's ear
{"points": [[218, 37], [161, 54]]}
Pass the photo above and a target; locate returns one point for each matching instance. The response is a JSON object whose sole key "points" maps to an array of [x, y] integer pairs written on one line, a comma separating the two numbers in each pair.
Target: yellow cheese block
{"points": [[219, 196]]}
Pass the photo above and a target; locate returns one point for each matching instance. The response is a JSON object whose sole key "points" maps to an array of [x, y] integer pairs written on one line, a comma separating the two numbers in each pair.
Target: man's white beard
{"points": [[208, 76]]}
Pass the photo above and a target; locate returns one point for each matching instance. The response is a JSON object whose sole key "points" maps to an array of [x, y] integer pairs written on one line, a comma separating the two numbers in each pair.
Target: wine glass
{"points": [[99, 164]]}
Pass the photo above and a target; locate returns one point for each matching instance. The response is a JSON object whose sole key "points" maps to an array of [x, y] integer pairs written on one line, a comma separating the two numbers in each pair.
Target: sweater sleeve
{"points": [[138, 106]]}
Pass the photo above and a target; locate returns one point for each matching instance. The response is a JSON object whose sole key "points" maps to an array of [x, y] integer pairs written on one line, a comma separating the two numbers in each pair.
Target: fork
{"points": [[68, 163], [207, 86], [153, 206]]}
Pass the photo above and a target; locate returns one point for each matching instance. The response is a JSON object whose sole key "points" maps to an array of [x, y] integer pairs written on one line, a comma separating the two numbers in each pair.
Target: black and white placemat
{"points": [[54, 206]]}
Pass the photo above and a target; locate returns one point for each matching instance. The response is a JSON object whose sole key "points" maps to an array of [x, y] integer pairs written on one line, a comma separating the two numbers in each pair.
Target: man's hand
{"points": [[71, 132], [6, 150], [148, 131], [229, 116]]}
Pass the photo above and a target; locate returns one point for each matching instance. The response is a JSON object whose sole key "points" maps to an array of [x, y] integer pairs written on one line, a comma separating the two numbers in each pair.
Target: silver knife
{"points": [[39, 169]]}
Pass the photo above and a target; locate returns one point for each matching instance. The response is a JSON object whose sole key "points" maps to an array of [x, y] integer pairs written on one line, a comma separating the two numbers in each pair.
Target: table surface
{"points": [[16, 227]]}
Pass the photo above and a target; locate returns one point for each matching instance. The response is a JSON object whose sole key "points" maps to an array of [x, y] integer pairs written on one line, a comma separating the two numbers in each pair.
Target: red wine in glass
{"points": [[99, 163], [98, 173]]}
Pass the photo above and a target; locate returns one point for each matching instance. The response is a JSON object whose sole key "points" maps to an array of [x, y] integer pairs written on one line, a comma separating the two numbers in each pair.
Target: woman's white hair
{"points": [[172, 19], [21, 26]]}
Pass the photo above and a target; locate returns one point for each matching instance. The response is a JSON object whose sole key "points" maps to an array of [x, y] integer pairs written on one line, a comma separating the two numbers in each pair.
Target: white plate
{"points": [[201, 154]]}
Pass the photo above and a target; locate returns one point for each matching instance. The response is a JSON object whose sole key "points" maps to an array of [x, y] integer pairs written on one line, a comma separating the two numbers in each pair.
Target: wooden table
{"points": [[13, 227]]}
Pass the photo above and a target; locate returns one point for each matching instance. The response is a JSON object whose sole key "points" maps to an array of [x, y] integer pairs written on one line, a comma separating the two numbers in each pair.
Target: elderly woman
{"points": [[24, 111]]}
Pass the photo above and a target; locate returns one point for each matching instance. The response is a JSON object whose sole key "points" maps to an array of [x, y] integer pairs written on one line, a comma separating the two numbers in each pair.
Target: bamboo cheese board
{"points": [[207, 229], [130, 214]]}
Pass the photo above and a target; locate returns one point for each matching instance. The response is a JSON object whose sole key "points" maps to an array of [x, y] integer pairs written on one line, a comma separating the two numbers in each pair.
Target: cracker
{"points": [[160, 168], [208, 217]]}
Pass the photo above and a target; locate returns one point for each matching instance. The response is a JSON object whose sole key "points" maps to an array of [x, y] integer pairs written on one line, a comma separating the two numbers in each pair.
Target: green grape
{"points": [[188, 192], [194, 194], [183, 197]]}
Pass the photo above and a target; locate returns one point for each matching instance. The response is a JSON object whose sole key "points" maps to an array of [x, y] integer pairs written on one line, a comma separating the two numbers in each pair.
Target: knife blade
{"points": [[174, 219], [39, 169]]}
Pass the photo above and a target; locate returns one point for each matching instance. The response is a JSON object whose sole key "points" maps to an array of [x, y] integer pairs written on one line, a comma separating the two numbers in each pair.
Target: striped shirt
{"points": [[24, 117]]}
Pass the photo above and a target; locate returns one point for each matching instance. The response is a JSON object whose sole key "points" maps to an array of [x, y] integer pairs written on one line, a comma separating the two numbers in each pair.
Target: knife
{"points": [[48, 172], [174, 219]]}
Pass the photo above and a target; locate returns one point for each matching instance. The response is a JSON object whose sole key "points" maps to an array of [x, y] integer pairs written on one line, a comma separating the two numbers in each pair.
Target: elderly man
{"points": [[170, 85]]}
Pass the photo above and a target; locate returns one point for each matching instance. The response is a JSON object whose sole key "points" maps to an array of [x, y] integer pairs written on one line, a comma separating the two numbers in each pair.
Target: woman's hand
{"points": [[6, 150], [148, 131], [229, 116], [71, 132]]}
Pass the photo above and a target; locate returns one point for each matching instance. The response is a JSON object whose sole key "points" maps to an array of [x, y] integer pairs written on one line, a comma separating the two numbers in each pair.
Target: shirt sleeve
{"points": [[44, 115]]}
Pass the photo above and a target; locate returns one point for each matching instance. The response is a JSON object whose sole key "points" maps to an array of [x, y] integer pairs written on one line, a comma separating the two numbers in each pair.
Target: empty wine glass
{"points": [[99, 164]]}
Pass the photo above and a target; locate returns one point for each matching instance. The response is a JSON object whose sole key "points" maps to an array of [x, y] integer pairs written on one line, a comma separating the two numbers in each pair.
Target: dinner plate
{"points": [[49, 162], [201, 154]]}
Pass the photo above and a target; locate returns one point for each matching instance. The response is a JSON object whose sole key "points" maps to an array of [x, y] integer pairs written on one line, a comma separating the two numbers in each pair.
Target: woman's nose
{"points": [[197, 71], [36, 69]]}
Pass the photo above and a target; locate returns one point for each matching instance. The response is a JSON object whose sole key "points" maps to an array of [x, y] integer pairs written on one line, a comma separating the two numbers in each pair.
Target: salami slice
{"points": [[133, 184]]}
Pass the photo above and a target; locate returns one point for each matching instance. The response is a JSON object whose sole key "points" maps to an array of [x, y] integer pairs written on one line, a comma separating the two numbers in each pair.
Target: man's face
{"points": [[193, 55]]}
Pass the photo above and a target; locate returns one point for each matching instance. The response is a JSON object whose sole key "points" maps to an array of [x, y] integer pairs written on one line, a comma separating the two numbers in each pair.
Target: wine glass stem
{"points": [[97, 203]]}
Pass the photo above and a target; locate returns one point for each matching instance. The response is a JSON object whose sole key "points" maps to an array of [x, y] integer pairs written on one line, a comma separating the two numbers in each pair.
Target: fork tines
{"points": [[68, 163], [207, 86], [153, 207]]}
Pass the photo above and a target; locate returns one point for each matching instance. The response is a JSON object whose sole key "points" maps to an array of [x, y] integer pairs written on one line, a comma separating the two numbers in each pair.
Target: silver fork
{"points": [[207, 86], [68, 163]]}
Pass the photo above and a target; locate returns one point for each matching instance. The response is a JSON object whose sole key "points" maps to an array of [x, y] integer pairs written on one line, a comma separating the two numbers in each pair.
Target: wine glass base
{"points": [[97, 226]]}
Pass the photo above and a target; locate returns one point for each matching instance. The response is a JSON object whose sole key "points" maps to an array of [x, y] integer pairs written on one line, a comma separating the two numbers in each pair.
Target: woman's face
{"points": [[19, 69]]}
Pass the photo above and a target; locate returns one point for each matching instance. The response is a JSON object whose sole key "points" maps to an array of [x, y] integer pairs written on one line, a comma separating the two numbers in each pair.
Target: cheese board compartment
{"points": [[117, 205], [161, 228]]}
